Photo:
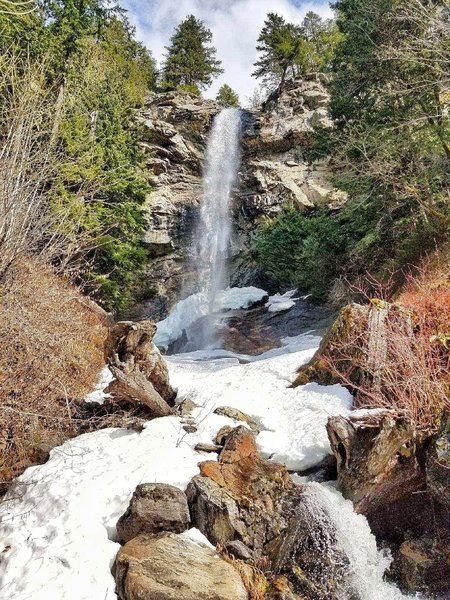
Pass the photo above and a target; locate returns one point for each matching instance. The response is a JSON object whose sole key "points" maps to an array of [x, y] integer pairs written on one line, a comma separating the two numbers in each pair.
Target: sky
{"points": [[235, 25]]}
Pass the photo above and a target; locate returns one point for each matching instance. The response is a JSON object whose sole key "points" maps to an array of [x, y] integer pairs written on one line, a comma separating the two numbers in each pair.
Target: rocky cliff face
{"points": [[273, 172]]}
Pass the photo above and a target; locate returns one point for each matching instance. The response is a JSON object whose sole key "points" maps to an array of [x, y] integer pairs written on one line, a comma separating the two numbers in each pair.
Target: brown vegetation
{"points": [[395, 355], [52, 348]]}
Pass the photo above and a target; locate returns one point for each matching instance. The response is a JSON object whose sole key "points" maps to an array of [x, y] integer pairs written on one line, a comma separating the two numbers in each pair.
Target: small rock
{"points": [[201, 447], [239, 550], [237, 415], [188, 428], [222, 434], [169, 567], [186, 407], [154, 507]]}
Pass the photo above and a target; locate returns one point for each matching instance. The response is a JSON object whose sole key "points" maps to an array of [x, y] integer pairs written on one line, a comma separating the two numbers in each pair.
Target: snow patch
{"points": [[98, 394], [281, 302]]}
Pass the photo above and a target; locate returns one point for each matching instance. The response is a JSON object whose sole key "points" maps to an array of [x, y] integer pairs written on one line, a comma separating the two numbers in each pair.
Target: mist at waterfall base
{"points": [[214, 228]]}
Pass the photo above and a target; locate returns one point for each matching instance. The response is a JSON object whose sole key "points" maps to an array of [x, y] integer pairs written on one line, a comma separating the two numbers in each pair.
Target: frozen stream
{"points": [[57, 525]]}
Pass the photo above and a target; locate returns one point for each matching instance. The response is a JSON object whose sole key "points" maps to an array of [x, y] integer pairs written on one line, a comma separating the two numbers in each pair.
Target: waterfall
{"points": [[221, 167]]}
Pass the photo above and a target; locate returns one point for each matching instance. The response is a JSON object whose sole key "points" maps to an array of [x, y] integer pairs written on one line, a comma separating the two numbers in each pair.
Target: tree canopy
{"points": [[190, 60], [95, 75], [288, 50], [226, 97]]}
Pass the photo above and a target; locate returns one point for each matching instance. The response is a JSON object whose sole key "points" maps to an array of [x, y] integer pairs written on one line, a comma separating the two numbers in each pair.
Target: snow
{"points": [[281, 302], [234, 298], [98, 394], [196, 306], [57, 524], [292, 420]]}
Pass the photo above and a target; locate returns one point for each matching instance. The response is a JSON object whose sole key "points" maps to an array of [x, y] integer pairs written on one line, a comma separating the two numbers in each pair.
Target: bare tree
{"points": [[30, 220]]}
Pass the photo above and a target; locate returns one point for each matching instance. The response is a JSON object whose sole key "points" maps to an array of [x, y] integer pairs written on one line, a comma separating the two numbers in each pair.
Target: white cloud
{"points": [[235, 25]]}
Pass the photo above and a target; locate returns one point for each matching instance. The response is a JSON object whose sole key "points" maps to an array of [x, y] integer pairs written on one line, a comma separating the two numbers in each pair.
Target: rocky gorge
{"points": [[253, 467], [273, 173]]}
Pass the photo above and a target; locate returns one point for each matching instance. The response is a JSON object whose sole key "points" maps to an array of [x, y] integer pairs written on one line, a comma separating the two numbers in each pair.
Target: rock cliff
{"points": [[273, 172]]}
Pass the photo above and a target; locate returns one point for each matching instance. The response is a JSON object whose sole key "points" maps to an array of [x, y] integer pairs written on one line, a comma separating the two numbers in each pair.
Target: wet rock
{"points": [[169, 567], [307, 553], [154, 507], [238, 549], [423, 566]]}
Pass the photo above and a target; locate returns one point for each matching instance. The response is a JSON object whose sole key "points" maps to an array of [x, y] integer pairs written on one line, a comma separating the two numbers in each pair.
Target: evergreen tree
{"points": [[190, 61], [283, 51], [226, 97]]}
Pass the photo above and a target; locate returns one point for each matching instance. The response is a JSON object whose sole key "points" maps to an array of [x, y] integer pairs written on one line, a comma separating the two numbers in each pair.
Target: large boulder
{"points": [[381, 467], [252, 509], [169, 567], [154, 507], [236, 498]]}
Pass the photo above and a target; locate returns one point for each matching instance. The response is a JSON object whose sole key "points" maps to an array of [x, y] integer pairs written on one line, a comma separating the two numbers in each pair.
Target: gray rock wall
{"points": [[273, 173]]}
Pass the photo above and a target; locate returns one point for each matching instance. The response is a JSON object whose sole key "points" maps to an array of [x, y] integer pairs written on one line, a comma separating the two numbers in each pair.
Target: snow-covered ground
{"points": [[57, 525]]}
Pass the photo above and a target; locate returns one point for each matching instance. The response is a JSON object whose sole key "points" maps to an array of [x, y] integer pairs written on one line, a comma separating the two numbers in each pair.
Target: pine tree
{"points": [[283, 51], [226, 97], [190, 61]]}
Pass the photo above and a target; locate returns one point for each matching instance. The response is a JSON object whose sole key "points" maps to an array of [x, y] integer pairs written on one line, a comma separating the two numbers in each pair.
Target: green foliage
{"points": [[101, 75], [302, 250], [288, 50], [190, 60], [226, 97]]}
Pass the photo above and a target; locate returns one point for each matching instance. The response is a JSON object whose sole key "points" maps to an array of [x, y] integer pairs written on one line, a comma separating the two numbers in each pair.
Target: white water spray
{"points": [[222, 163]]}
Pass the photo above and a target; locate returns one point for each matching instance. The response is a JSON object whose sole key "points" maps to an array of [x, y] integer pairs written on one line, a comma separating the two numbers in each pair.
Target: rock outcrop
{"points": [[274, 172], [168, 567], [252, 509], [154, 508]]}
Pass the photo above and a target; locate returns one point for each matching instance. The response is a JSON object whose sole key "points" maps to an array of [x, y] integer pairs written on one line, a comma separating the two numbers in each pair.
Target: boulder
{"points": [[307, 553], [423, 565], [169, 567], [252, 509], [376, 457], [381, 468], [154, 507], [236, 498]]}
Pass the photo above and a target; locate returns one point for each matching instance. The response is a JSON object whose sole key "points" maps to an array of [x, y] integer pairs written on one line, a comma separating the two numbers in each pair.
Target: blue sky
{"points": [[235, 25]]}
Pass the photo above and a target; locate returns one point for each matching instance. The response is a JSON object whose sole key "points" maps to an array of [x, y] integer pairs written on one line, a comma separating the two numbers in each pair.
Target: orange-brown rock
{"points": [[237, 497]]}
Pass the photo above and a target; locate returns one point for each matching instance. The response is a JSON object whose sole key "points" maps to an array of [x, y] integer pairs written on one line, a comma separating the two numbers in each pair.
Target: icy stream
{"points": [[57, 525]]}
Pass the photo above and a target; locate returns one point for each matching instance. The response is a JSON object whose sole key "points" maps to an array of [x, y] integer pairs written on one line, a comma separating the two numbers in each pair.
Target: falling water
{"points": [[222, 162], [214, 232]]}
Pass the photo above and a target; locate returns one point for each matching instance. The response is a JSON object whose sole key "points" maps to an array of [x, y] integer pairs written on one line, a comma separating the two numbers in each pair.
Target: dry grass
{"points": [[398, 355], [51, 351]]}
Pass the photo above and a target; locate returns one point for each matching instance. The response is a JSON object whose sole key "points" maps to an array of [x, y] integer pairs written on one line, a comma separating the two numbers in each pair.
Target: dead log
{"points": [[134, 387]]}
